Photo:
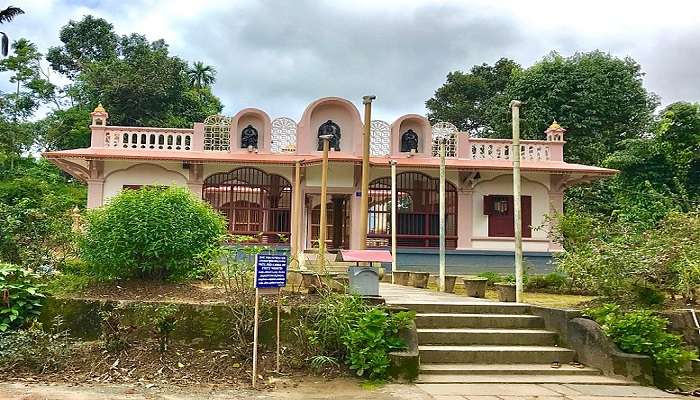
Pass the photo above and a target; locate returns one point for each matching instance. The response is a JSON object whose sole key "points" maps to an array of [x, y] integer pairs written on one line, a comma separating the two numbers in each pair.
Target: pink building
{"points": [[264, 174]]}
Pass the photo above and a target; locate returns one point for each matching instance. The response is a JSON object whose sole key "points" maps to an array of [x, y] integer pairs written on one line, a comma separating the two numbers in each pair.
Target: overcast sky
{"points": [[281, 55]]}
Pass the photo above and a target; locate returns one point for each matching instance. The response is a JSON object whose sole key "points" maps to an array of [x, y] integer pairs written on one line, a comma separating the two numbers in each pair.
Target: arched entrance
{"points": [[418, 211], [255, 203]]}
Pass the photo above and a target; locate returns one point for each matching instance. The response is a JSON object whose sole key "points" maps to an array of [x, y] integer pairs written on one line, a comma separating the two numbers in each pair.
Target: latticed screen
{"points": [[418, 219], [447, 132], [379, 138], [254, 202], [217, 133]]}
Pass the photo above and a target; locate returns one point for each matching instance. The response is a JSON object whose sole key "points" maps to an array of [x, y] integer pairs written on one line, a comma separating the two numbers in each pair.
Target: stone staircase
{"points": [[484, 342]]}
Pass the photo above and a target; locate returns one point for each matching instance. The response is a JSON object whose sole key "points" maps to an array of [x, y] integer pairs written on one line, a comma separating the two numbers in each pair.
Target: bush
{"points": [[492, 278], [628, 264], [20, 297], [371, 339], [33, 350], [150, 233], [643, 332], [553, 281]]}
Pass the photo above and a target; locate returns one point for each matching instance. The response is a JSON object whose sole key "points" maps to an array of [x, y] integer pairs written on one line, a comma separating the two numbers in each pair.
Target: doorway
{"points": [[338, 219]]}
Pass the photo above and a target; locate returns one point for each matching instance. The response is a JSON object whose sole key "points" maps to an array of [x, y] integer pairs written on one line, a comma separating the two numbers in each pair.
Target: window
{"points": [[499, 209]]}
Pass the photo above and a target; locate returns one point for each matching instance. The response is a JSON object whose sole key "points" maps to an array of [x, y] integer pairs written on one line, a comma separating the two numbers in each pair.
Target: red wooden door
{"points": [[499, 209]]}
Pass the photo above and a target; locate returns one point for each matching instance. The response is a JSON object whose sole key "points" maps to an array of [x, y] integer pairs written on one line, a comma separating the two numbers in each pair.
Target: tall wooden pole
{"points": [[394, 226], [323, 223], [517, 212], [364, 200], [442, 215], [295, 240]]}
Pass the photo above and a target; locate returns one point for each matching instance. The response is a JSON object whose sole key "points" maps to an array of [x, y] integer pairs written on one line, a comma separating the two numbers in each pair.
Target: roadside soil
{"points": [[195, 292]]}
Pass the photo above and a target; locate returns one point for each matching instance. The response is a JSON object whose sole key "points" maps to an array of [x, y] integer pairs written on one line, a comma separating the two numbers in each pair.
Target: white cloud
{"points": [[280, 55]]}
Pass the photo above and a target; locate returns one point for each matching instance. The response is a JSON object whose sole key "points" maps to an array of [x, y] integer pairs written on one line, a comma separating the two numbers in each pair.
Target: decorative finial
{"points": [[99, 108], [554, 126]]}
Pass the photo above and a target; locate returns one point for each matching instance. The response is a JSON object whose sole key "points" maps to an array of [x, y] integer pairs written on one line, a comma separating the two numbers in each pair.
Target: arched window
{"points": [[409, 141], [256, 203], [329, 128], [249, 137], [417, 197]]}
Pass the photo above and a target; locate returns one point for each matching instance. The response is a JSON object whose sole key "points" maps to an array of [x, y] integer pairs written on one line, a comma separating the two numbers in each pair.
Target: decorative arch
{"points": [[146, 165], [417, 211], [348, 119], [256, 119], [256, 203], [420, 125]]}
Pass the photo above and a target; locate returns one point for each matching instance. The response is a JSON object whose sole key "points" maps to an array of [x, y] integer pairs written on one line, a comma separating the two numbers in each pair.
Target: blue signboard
{"points": [[270, 271]]}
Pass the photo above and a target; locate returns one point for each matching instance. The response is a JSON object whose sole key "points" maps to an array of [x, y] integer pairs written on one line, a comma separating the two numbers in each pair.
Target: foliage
{"points": [[151, 232], [465, 98], [629, 264], [165, 321], [115, 335], [201, 75], [554, 281], [231, 265], [492, 277], [36, 203], [34, 350], [643, 332], [138, 81], [20, 297], [371, 339], [331, 319]]}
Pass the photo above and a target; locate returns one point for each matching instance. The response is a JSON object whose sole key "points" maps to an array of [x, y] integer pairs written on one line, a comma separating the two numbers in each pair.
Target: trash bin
{"points": [[364, 281]]}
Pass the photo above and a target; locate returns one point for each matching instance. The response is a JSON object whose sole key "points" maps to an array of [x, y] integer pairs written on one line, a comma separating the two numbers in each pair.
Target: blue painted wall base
{"points": [[472, 262]]}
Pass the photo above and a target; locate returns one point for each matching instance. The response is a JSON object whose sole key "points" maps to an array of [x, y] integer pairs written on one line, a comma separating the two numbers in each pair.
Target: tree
{"points": [[84, 42], [201, 75], [600, 99], [8, 15], [30, 90], [138, 81], [464, 99]]}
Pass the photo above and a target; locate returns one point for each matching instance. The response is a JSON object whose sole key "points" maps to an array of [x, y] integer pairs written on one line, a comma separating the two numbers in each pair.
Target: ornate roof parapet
{"points": [[99, 116], [555, 133]]}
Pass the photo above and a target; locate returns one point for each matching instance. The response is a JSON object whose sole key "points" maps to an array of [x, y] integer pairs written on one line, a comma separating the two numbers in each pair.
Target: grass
{"points": [[564, 301]]}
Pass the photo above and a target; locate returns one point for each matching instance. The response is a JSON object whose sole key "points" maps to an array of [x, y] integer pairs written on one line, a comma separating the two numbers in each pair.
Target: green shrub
{"points": [[20, 297], [643, 332], [370, 340], [33, 350], [553, 281], [492, 277], [150, 233]]}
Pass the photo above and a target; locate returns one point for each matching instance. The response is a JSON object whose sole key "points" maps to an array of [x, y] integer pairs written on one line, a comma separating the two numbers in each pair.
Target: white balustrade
{"points": [[502, 149], [161, 139]]}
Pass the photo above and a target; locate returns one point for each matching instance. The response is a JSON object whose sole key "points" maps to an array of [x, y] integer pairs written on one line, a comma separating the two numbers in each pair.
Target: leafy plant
{"points": [[34, 350], [151, 233], [320, 362], [115, 335], [370, 340], [643, 332], [165, 321], [20, 296]]}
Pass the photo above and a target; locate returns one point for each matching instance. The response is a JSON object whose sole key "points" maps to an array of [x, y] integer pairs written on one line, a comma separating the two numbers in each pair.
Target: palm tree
{"points": [[201, 75], [8, 15]]}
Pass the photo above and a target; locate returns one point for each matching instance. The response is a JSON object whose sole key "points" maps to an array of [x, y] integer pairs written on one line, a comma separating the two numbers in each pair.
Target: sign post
{"points": [[270, 278]]}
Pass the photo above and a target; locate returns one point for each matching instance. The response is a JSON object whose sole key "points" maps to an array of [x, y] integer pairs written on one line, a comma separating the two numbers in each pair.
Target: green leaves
{"points": [[151, 233], [642, 332], [20, 297]]}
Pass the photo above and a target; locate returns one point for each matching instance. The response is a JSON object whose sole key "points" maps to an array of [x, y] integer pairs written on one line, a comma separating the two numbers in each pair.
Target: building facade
{"points": [[264, 175]]}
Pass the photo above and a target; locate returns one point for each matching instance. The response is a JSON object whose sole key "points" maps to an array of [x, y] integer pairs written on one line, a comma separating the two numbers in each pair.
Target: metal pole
{"points": [[279, 300], [394, 226], [294, 241], [517, 212], [255, 338], [324, 191], [364, 200], [442, 215]]}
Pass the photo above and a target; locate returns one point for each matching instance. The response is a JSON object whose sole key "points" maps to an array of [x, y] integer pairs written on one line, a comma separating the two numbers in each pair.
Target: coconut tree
{"points": [[8, 15], [201, 75]]}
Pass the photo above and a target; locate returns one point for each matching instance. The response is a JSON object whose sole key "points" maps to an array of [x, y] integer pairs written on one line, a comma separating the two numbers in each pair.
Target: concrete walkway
{"points": [[543, 392], [406, 294]]}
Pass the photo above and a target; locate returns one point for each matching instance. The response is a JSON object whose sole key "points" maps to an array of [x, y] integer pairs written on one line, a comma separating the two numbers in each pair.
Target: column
{"points": [[556, 206], [195, 180], [465, 218], [95, 192]]}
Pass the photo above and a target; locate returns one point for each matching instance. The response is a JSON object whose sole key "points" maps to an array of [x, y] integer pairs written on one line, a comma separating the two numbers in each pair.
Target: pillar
{"points": [[355, 204], [195, 180], [95, 192], [465, 218], [556, 206]]}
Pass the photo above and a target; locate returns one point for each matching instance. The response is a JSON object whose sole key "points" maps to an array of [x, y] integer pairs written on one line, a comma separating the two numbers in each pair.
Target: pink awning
{"points": [[364, 256]]}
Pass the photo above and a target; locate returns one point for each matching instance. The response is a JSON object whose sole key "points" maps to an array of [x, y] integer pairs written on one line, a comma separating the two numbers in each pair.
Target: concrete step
{"points": [[504, 369], [533, 379], [467, 307], [486, 354], [466, 336], [484, 321]]}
